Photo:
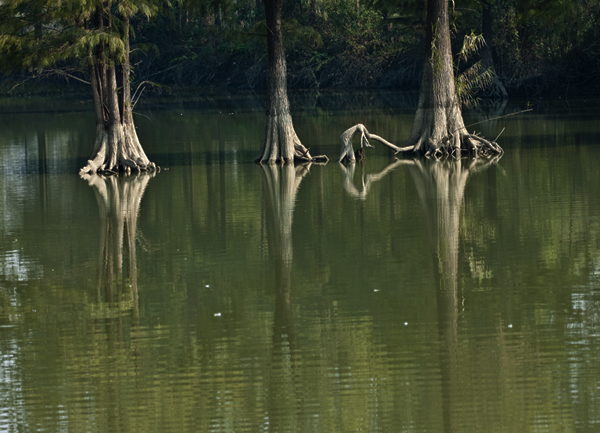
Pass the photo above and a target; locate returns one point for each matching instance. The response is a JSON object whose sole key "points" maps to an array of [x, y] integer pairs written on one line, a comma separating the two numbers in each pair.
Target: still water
{"points": [[222, 296]]}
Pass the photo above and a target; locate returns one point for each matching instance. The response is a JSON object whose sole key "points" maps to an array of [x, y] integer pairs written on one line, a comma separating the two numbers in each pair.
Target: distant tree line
{"points": [[535, 47]]}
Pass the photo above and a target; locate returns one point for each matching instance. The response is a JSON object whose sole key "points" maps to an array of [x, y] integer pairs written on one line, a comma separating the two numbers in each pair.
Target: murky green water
{"points": [[224, 296]]}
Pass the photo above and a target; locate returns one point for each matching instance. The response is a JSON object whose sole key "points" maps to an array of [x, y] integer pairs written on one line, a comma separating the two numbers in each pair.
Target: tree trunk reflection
{"points": [[441, 187], [281, 183], [118, 200]]}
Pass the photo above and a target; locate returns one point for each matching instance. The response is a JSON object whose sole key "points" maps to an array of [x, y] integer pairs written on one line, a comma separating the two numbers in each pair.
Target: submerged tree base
{"points": [[453, 145], [117, 149], [281, 145]]}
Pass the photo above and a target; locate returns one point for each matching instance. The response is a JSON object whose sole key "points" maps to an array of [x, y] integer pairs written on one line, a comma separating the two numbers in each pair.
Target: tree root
{"points": [[301, 154], [281, 145], [452, 146], [347, 153], [117, 150]]}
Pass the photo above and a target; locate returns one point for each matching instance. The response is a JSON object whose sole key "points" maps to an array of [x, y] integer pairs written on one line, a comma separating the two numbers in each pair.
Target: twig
{"points": [[135, 100], [496, 139], [499, 117], [59, 72], [143, 115]]}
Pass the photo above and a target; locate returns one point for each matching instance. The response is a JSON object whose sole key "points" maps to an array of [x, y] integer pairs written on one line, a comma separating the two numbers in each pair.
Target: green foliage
{"points": [[475, 77], [328, 43], [537, 46], [45, 34], [472, 80]]}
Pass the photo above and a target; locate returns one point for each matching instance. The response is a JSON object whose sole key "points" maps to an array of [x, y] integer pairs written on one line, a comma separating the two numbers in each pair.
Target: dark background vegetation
{"points": [[538, 48]]}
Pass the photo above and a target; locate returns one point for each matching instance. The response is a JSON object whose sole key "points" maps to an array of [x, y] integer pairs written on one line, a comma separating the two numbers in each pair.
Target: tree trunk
{"points": [[438, 121], [280, 142], [438, 129], [117, 147]]}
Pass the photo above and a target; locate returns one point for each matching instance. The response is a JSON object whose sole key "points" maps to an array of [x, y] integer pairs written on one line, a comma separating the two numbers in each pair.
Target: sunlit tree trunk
{"points": [[117, 147], [438, 129], [438, 119], [280, 142]]}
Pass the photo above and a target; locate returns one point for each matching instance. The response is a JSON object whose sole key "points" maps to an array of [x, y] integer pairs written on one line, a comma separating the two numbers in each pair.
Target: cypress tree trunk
{"points": [[280, 142], [438, 129], [438, 120], [117, 147]]}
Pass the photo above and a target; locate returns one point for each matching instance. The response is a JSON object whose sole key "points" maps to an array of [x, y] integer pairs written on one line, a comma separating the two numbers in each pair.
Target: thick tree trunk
{"points": [[438, 121], [280, 142], [117, 147], [438, 129]]}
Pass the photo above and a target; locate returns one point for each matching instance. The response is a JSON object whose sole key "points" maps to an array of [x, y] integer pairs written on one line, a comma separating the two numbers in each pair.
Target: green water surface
{"points": [[224, 296]]}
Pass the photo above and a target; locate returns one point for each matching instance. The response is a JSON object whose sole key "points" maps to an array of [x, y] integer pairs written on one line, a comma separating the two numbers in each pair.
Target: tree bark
{"points": [[347, 153], [438, 129], [117, 147], [438, 120], [280, 142]]}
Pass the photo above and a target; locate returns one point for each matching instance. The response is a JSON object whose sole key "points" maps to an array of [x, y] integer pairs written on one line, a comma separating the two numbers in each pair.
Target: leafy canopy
{"points": [[40, 34]]}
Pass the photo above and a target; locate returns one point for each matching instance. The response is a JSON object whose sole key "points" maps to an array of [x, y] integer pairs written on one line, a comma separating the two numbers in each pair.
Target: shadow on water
{"points": [[281, 184], [441, 188]]}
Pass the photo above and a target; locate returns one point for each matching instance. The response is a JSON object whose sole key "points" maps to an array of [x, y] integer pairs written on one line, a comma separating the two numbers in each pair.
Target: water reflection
{"points": [[312, 334], [118, 200], [441, 187], [366, 180], [281, 184]]}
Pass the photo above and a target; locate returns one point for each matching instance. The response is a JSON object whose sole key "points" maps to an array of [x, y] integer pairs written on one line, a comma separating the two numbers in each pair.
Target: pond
{"points": [[220, 295]]}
